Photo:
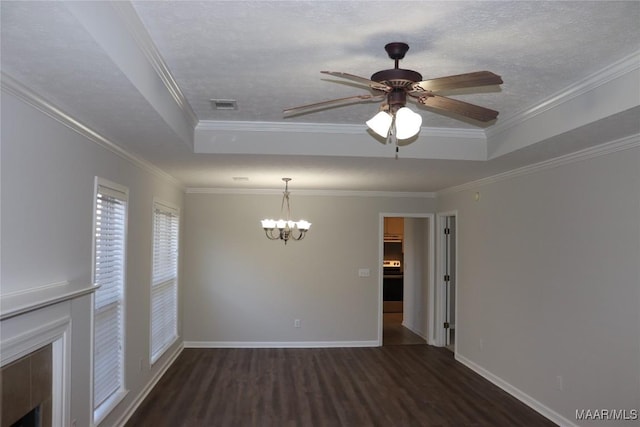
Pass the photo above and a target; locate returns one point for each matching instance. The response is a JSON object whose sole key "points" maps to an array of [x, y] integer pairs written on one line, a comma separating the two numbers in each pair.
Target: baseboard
{"points": [[278, 344], [415, 331], [150, 385], [517, 393]]}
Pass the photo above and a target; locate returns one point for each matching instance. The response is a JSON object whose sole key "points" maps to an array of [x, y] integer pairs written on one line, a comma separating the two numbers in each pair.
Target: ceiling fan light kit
{"points": [[380, 123], [397, 122], [407, 123], [404, 124]]}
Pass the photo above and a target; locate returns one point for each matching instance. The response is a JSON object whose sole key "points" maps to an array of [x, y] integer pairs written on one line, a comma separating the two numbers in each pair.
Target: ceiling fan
{"points": [[392, 86]]}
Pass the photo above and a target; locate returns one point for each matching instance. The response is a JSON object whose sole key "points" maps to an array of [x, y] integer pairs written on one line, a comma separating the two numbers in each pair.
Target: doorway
{"points": [[406, 278], [445, 325]]}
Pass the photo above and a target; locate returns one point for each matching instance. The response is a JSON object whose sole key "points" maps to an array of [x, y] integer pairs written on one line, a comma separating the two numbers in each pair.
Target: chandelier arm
{"points": [[269, 233], [300, 236]]}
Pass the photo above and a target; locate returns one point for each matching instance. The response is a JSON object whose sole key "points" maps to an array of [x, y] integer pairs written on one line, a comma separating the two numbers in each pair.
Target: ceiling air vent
{"points": [[224, 104]]}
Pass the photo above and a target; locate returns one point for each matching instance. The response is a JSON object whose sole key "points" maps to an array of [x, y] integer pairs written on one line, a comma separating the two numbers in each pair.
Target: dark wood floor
{"points": [[393, 333], [398, 385]]}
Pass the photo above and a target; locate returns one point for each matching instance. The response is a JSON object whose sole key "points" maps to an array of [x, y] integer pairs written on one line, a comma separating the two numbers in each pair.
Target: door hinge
{"points": [[447, 230], [446, 325], [447, 277]]}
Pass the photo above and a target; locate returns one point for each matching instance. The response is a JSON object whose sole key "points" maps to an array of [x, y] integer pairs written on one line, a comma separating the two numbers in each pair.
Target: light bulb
{"points": [[303, 225], [407, 123], [268, 223], [380, 123]]}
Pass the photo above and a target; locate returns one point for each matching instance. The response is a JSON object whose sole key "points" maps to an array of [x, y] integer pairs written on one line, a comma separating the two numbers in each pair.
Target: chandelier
{"points": [[285, 229]]}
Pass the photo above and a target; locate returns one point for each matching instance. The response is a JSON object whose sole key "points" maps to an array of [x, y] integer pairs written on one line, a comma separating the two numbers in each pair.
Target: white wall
{"points": [[47, 211], [242, 288], [417, 275], [549, 281], [548, 265]]}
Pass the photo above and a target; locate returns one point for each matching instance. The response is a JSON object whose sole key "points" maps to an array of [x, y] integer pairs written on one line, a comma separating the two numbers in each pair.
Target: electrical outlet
{"points": [[296, 323], [480, 344], [141, 364], [364, 272]]}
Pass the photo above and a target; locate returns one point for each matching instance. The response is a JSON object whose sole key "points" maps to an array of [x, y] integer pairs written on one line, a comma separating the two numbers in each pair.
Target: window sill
{"points": [[163, 350], [101, 412]]}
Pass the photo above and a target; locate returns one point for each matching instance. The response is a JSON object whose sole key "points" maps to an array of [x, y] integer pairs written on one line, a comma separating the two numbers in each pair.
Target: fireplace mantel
{"points": [[16, 303], [34, 318]]}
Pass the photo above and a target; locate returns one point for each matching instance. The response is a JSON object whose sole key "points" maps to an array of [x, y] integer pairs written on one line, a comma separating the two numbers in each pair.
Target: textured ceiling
{"points": [[267, 55]]}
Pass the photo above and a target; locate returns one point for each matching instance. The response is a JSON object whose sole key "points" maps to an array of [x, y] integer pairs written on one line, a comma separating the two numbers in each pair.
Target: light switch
{"points": [[364, 272]]}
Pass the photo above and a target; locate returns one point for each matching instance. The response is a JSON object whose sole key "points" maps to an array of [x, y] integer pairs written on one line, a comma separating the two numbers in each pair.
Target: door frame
{"points": [[431, 260], [438, 330]]}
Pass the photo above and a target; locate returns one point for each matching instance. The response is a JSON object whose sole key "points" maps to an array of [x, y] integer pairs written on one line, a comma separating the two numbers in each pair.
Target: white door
{"points": [[416, 274]]}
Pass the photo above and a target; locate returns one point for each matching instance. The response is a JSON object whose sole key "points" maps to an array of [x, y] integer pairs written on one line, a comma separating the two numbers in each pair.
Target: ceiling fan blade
{"points": [[478, 78], [372, 84], [333, 102], [459, 107]]}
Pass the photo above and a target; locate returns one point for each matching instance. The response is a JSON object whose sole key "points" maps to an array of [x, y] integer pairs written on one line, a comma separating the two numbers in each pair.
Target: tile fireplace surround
{"points": [[26, 387], [35, 339]]}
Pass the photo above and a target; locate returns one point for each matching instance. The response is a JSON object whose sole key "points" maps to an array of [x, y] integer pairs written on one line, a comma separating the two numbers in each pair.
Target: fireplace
{"points": [[27, 390], [32, 419], [35, 349]]}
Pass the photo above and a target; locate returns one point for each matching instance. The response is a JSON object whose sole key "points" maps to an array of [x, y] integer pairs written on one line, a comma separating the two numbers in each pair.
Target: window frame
{"points": [[99, 412], [171, 209]]}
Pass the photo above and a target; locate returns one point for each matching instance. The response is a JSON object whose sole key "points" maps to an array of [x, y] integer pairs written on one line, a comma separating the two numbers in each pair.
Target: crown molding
{"points": [[324, 128], [17, 89], [625, 143], [328, 193], [245, 126], [617, 69], [346, 140], [607, 74], [116, 29], [132, 21]]}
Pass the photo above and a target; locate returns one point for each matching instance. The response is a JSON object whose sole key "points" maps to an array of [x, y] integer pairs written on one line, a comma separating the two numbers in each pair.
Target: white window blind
{"points": [[109, 264], [164, 286]]}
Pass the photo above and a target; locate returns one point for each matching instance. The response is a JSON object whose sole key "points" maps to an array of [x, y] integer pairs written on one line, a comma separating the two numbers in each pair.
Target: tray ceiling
{"points": [[142, 74]]}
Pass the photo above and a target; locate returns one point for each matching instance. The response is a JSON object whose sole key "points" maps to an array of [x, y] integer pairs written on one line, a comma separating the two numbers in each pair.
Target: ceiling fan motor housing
{"points": [[396, 98], [397, 78]]}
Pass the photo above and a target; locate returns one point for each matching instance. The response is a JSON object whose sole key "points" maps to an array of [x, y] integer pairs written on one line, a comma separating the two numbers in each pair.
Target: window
{"points": [[110, 224], [164, 285]]}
